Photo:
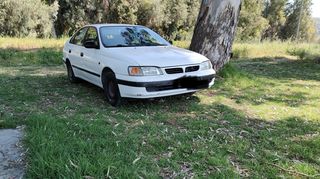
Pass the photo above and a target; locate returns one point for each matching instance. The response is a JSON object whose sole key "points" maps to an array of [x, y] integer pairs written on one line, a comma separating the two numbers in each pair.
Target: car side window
{"points": [[78, 38], [92, 35]]}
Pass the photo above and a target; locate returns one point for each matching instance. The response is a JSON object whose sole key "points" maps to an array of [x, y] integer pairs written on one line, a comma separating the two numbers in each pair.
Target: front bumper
{"points": [[181, 85]]}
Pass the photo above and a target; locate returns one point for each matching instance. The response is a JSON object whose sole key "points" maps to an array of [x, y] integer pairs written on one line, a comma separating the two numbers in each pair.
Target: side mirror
{"points": [[90, 44], [171, 42]]}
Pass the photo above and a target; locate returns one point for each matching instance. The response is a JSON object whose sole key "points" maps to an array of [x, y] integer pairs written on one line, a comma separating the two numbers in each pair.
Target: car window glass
{"points": [[92, 35], [79, 37], [130, 37]]}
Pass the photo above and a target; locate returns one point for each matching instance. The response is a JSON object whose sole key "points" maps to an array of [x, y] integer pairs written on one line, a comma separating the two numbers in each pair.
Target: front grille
{"points": [[174, 70], [192, 68], [191, 83]]}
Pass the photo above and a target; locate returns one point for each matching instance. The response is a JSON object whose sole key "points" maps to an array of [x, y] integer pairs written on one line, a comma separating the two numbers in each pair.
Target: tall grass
{"points": [[30, 43], [273, 49], [276, 49]]}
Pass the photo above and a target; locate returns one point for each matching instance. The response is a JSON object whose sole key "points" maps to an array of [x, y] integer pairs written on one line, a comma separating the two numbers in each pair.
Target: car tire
{"points": [[111, 89], [71, 77]]}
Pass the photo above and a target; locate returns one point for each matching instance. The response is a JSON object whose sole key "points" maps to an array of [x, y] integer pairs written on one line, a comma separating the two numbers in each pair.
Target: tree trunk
{"points": [[215, 29]]}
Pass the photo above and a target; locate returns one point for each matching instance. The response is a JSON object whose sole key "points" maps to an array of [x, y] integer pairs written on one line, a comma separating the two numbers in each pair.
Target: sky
{"points": [[316, 8]]}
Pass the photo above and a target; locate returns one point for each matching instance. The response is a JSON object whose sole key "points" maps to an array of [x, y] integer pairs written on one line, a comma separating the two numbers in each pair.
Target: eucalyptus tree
{"points": [[215, 30]]}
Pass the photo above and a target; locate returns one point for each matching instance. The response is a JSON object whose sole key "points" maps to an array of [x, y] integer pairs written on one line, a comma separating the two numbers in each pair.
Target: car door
{"points": [[75, 49], [91, 57]]}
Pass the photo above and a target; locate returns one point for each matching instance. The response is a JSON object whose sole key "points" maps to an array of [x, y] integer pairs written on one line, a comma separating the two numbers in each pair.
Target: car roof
{"points": [[112, 25]]}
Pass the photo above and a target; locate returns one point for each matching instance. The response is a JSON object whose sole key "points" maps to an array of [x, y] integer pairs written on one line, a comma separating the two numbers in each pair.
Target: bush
{"points": [[26, 18], [230, 71], [301, 53], [241, 52]]}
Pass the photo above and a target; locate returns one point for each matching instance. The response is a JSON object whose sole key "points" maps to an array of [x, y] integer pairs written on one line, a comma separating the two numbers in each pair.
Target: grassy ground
{"points": [[260, 120], [292, 50]]}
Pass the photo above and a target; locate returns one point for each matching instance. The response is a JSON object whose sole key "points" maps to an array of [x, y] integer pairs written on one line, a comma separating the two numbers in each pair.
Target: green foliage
{"points": [[123, 11], [275, 19], [74, 14], [301, 53], [230, 71], [173, 19], [27, 18], [251, 23], [150, 14], [240, 52], [274, 12], [299, 24]]}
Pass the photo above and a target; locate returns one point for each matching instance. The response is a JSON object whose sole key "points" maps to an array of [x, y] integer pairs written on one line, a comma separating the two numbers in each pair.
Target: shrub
{"points": [[241, 52], [26, 18], [301, 53]]}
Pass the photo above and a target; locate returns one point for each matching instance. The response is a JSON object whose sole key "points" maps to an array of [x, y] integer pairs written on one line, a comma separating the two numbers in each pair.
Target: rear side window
{"points": [[78, 38], [92, 35]]}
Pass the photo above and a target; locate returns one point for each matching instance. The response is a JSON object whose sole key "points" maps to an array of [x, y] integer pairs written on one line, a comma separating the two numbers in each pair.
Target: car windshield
{"points": [[130, 36]]}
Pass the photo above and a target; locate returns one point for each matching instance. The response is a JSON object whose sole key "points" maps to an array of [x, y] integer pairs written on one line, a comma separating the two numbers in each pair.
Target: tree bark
{"points": [[215, 30]]}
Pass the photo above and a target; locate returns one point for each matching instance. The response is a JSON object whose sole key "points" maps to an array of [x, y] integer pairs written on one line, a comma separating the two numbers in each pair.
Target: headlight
{"points": [[205, 65], [144, 71]]}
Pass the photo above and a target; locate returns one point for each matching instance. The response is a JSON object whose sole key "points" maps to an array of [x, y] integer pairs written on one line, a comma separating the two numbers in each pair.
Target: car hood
{"points": [[156, 56]]}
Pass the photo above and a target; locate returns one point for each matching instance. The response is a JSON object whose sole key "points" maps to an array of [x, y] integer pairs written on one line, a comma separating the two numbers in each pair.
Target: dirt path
{"points": [[11, 162]]}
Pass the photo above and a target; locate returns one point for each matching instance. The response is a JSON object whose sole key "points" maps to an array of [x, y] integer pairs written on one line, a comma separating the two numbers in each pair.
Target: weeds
{"points": [[261, 120], [300, 53], [12, 57]]}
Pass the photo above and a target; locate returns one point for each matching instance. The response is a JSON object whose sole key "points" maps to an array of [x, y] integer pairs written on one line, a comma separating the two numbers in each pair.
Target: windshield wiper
{"points": [[153, 44], [119, 45]]}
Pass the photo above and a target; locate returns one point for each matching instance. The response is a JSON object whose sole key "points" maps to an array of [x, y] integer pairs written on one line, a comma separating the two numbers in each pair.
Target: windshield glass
{"points": [[130, 36]]}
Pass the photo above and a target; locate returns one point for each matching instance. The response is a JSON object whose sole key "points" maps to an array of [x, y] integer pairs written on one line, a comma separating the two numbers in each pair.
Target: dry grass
{"points": [[276, 49], [30, 43]]}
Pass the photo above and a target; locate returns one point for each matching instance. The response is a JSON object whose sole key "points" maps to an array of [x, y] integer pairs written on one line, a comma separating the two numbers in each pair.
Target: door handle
{"points": [[69, 50], [81, 54]]}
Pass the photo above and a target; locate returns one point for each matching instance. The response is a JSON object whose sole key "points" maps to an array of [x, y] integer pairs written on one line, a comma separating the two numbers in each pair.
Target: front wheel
{"points": [[71, 77], [111, 89]]}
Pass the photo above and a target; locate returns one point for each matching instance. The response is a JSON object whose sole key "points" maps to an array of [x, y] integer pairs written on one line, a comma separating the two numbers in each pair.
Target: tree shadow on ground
{"points": [[261, 80], [259, 96], [280, 68]]}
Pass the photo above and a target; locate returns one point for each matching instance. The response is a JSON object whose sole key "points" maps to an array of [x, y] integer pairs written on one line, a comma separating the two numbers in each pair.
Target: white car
{"points": [[132, 61]]}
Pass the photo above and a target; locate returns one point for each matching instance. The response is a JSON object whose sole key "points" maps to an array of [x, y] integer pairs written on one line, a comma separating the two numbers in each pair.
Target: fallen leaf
{"points": [[136, 160]]}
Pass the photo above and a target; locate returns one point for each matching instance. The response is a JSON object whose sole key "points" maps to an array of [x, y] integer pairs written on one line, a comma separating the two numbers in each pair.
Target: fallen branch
{"points": [[294, 172]]}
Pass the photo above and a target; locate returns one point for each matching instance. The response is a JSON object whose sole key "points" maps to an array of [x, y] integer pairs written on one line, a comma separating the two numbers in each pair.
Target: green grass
{"points": [[276, 49], [261, 120], [43, 56]]}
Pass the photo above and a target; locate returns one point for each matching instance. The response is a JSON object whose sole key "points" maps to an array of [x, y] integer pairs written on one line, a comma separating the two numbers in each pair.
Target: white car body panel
{"points": [[90, 66]]}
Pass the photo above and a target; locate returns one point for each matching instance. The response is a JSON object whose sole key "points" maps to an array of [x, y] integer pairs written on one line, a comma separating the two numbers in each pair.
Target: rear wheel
{"points": [[71, 76], [111, 89]]}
